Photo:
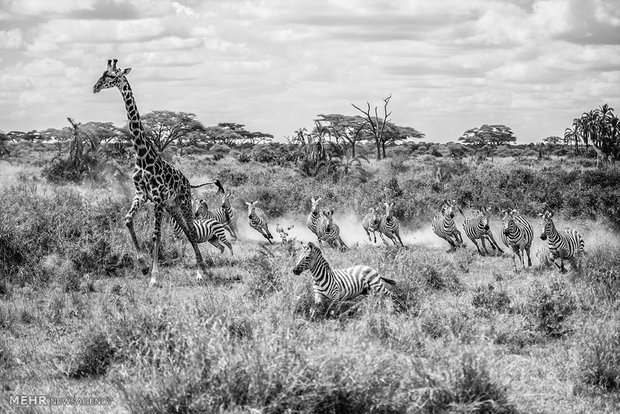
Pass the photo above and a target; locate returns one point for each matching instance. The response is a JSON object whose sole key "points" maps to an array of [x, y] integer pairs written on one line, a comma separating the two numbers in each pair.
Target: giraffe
{"points": [[155, 180]]}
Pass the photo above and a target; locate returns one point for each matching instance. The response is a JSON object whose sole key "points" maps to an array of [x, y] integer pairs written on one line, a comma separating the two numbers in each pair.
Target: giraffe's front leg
{"points": [[137, 202], [159, 210]]}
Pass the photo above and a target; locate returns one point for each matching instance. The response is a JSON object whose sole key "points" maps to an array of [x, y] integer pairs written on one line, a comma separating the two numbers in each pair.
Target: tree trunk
{"points": [[383, 148], [353, 149], [378, 149]]}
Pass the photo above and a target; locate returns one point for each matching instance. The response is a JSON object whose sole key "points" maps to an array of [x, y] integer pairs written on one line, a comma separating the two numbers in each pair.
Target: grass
{"points": [[463, 333]]}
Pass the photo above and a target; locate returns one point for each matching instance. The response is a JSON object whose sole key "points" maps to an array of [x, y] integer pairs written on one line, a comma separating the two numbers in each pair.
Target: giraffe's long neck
{"points": [[145, 150]]}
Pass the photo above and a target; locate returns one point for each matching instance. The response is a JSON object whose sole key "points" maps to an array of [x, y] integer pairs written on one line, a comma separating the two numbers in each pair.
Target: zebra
{"points": [[477, 227], [258, 220], [390, 226], [207, 230], [316, 222], [370, 222], [443, 225], [331, 233], [564, 245], [338, 284], [224, 215], [517, 234]]}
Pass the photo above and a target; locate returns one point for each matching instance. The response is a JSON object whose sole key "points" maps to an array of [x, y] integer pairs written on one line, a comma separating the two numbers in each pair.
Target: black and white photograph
{"points": [[288, 206]]}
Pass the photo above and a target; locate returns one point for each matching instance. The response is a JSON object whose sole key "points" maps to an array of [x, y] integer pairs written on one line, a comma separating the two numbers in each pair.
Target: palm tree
{"points": [[571, 134]]}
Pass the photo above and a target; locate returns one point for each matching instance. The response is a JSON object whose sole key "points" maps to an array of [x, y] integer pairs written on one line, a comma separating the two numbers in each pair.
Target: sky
{"points": [[274, 65]]}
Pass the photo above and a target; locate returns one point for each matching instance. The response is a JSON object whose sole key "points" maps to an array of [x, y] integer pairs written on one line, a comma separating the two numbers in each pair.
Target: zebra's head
{"points": [[388, 207], [483, 216], [202, 209], [508, 221], [251, 207], [226, 199], [447, 209], [315, 203], [329, 215], [112, 77], [546, 225], [307, 258]]}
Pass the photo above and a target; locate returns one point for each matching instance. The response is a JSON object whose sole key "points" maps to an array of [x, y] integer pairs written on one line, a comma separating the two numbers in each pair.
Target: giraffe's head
{"points": [[307, 258], [546, 225], [508, 221], [112, 77], [251, 208]]}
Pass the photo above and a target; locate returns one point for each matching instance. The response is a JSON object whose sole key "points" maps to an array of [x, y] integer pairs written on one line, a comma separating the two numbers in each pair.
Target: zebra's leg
{"points": [[159, 210], [342, 245], [494, 244], [529, 260], [383, 238], [229, 245], [137, 202], [374, 234], [216, 243], [477, 247], [397, 234], [233, 230], [368, 234]]}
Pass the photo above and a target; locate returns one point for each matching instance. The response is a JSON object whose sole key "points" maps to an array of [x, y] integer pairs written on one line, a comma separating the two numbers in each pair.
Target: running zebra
{"points": [[390, 226], [207, 230], [444, 226], [224, 215], [564, 245], [370, 222], [477, 227], [338, 284], [258, 220], [517, 234], [316, 222], [331, 234]]}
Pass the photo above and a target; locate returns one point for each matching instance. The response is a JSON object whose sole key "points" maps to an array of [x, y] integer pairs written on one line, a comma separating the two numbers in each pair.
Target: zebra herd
{"points": [[340, 284]]}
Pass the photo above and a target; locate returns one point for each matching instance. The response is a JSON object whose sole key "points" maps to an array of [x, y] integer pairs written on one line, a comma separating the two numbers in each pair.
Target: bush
{"points": [[599, 354], [491, 299], [93, 357], [551, 306]]}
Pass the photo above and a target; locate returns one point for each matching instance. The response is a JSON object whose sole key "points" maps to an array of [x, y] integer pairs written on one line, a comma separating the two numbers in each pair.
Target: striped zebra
{"points": [[316, 221], [338, 284], [390, 226], [370, 222], [258, 220], [443, 225], [331, 234], [224, 215], [564, 245], [477, 227], [517, 234], [207, 230]]}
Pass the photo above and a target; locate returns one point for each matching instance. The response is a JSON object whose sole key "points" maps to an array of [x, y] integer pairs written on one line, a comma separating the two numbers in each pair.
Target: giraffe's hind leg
{"points": [[159, 209]]}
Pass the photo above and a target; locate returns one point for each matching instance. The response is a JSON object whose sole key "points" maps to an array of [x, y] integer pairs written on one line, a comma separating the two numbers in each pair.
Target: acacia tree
{"points": [[488, 137], [345, 128], [165, 127]]}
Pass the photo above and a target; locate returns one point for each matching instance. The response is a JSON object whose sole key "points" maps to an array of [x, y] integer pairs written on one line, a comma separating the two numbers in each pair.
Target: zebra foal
{"points": [[338, 284], [390, 226], [207, 230], [370, 222], [331, 233], [316, 222], [563, 245]]}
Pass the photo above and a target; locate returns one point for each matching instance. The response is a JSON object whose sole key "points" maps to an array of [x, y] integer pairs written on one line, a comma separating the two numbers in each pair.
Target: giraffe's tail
{"points": [[220, 188]]}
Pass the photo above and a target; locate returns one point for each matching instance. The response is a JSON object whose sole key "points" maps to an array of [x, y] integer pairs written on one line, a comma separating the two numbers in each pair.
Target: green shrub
{"points": [[602, 271]]}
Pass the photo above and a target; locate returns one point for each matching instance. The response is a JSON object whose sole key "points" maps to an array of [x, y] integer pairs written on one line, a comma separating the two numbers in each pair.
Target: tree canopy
{"points": [[492, 135], [165, 127]]}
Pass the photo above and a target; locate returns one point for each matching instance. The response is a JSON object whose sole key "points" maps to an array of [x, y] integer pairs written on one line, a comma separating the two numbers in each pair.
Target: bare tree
{"points": [[377, 125]]}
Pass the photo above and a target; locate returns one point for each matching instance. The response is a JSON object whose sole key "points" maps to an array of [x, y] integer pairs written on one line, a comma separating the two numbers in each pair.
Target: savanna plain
{"points": [[462, 333]]}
